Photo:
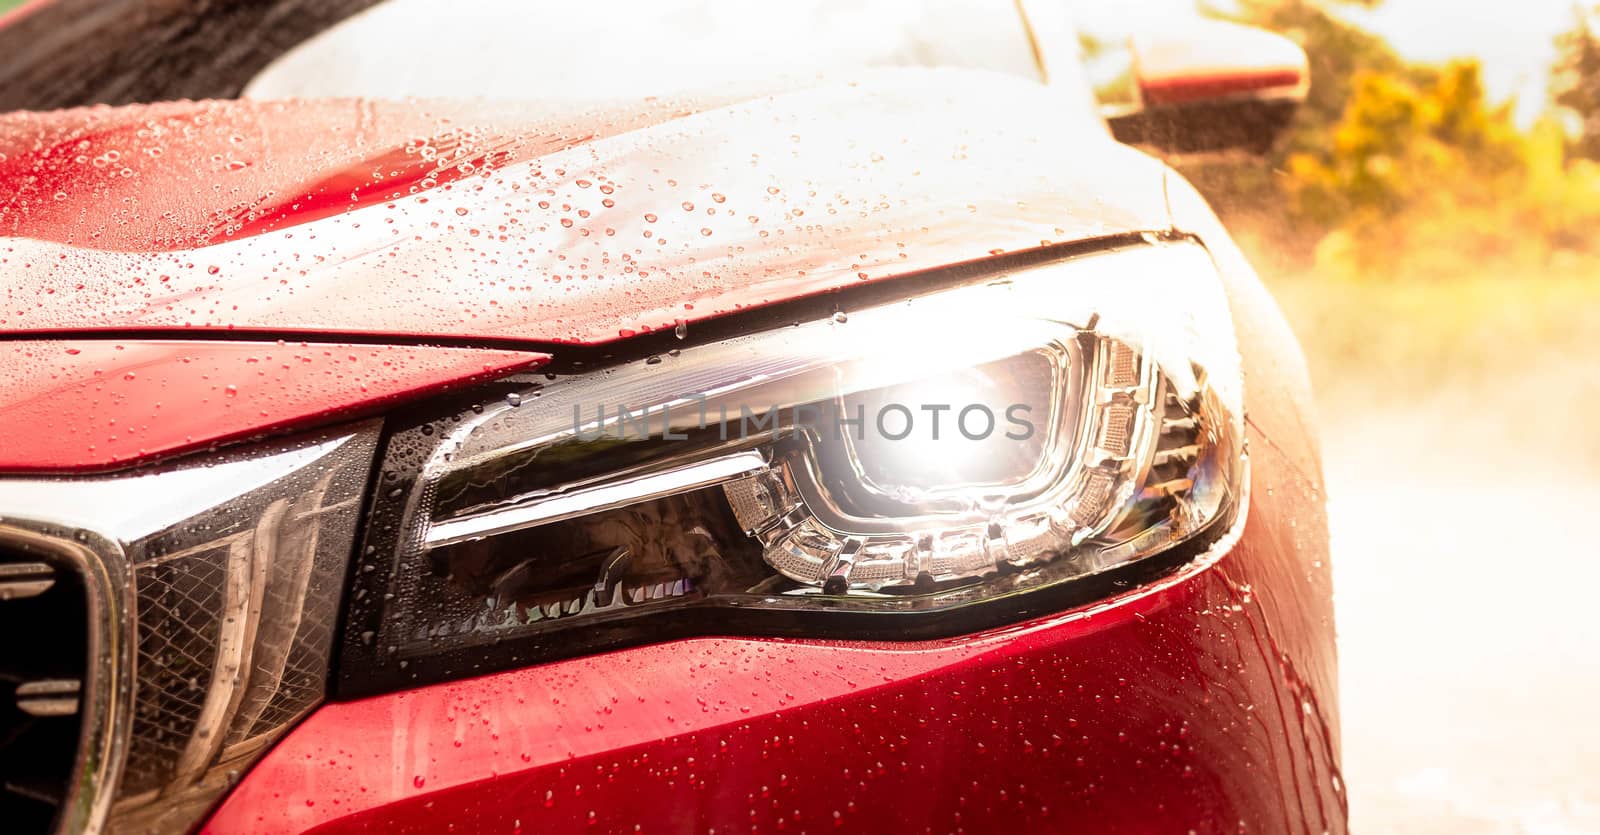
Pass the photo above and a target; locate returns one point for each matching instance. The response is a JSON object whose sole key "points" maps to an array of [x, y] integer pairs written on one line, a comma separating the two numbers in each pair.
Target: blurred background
{"points": [[1432, 229]]}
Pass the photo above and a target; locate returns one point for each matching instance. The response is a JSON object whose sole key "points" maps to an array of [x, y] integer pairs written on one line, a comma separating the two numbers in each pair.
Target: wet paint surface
{"points": [[86, 403], [1207, 704], [583, 226], [1201, 705]]}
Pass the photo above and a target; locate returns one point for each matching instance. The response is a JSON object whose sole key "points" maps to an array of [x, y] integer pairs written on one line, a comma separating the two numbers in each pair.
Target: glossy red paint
{"points": [[1215, 61], [1197, 705], [123, 170], [1217, 85], [75, 404], [1205, 703], [583, 226]]}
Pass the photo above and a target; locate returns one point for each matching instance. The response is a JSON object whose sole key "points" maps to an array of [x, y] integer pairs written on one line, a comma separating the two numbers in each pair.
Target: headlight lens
{"points": [[975, 446]]}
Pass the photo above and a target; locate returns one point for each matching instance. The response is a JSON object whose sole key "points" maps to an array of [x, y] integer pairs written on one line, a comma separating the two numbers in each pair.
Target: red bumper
{"points": [[1202, 704]]}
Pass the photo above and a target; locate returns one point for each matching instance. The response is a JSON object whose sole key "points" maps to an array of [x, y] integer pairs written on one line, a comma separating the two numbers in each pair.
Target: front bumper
{"points": [[1205, 703]]}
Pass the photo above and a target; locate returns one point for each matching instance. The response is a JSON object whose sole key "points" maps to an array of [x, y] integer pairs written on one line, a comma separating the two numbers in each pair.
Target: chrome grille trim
{"points": [[49, 697], [104, 694], [131, 536], [25, 579]]}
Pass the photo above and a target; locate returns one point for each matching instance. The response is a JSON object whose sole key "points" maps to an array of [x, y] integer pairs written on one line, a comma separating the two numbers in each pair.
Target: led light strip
{"points": [[581, 501]]}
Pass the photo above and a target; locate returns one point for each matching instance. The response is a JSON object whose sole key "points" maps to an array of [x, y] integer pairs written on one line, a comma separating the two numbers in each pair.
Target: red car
{"points": [[890, 448]]}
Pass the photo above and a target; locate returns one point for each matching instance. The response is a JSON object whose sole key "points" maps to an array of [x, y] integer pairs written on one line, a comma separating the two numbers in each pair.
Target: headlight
{"points": [[976, 454]]}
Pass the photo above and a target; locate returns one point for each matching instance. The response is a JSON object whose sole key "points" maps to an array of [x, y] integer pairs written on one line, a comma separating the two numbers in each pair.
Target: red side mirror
{"points": [[1213, 86]]}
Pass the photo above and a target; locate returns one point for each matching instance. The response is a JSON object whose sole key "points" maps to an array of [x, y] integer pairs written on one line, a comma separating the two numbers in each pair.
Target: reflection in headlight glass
{"points": [[969, 444]]}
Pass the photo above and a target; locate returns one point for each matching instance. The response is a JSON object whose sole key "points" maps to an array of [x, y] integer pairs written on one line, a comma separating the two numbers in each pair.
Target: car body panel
{"points": [[582, 228], [1192, 705], [78, 404], [1205, 702]]}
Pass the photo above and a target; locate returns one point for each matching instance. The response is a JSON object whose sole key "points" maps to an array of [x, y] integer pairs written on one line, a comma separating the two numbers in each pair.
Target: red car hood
{"points": [[532, 224]]}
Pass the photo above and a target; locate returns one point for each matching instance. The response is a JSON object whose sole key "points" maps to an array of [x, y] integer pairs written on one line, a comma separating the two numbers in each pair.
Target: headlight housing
{"points": [[973, 455]]}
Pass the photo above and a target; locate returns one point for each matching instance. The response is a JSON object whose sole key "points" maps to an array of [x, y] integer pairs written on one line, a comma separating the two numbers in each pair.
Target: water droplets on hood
{"points": [[534, 222]]}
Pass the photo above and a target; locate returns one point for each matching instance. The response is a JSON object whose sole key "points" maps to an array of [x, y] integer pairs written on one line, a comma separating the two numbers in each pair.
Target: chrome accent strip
{"points": [[49, 697], [25, 579], [107, 691], [545, 509]]}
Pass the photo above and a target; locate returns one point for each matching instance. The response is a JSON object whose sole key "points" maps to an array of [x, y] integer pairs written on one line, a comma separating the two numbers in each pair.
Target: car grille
{"points": [[43, 658]]}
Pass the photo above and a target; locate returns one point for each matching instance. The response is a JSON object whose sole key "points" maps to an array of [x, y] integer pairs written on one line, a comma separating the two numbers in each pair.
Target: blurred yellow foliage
{"points": [[1420, 177]]}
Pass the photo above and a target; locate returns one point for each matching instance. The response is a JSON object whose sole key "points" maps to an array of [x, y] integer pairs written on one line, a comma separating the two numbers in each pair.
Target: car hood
{"points": [[536, 223]]}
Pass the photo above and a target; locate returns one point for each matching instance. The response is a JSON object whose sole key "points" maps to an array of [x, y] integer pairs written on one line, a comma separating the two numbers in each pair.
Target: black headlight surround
{"points": [[366, 668], [366, 664]]}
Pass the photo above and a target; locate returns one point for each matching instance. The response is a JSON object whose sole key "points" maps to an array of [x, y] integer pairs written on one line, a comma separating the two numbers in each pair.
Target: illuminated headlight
{"points": [[976, 446]]}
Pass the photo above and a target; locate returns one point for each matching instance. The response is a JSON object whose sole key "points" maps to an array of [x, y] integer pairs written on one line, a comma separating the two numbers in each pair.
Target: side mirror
{"points": [[1215, 87]]}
